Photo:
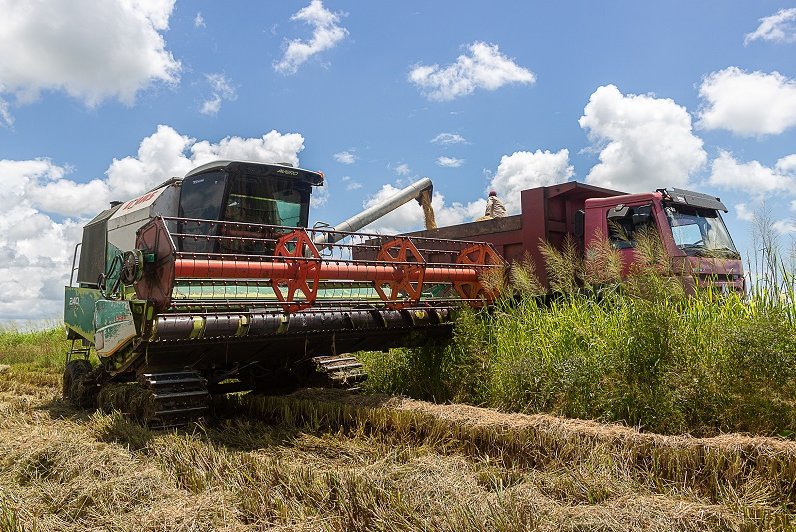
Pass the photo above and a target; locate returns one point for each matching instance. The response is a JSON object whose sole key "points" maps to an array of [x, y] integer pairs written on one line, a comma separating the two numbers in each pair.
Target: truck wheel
{"points": [[74, 373]]}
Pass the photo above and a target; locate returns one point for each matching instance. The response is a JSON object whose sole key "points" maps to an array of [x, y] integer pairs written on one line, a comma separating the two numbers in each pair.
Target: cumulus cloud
{"points": [[91, 49], [199, 21], [743, 212], [780, 27], [409, 217], [37, 194], [37, 250], [448, 138], [786, 165], [753, 177], [350, 184], [5, 114], [167, 153], [222, 91], [403, 169], [784, 227], [748, 104], [345, 157], [449, 162], [516, 172], [523, 170], [483, 68], [327, 33], [645, 142]]}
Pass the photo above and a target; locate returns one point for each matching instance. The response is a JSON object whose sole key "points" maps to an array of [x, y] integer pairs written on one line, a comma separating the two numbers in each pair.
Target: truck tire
{"points": [[73, 389]]}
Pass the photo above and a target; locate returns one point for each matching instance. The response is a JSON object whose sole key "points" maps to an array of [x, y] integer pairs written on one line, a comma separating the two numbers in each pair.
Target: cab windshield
{"points": [[272, 201], [700, 232]]}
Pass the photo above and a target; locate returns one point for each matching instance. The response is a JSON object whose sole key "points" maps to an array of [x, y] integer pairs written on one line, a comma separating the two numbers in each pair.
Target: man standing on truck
{"points": [[494, 207]]}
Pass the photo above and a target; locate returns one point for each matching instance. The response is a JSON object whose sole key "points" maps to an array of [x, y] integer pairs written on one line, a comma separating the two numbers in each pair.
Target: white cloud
{"points": [[350, 183], [38, 244], [786, 165], [37, 250], [320, 195], [409, 217], [748, 104], [780, 27], [327, 33], [484, 68], [516, 172], [752, 177], [449, 162], [222, 91], [449, 138], [523, 170], [91, 49], [345, 157], [403, 169], [743, 212], [5, 114], [163, 155], [784, 227], [645, 142], [199, 21]]}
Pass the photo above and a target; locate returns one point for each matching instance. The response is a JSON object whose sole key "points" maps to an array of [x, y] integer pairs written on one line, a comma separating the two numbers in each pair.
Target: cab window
{"points": [[626, 223]]}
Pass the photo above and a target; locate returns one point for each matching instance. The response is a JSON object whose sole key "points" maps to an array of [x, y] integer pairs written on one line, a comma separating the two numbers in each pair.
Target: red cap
{"points": [[492, 193]]}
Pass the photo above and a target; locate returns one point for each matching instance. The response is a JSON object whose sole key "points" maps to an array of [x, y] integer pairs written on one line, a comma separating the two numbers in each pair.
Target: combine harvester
{"points": [[213, 283]]}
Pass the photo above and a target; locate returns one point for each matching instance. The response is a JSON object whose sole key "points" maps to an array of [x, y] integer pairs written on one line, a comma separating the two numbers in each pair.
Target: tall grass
{"points": [[640, 352], [40, 350]]}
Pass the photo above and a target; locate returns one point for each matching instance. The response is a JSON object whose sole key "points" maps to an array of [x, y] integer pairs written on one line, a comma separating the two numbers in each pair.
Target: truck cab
{"points": [[688, 224]]}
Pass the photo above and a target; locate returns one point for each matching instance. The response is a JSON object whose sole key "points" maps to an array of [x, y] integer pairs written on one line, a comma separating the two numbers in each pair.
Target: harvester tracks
{"points": [[178, 397], [159, 400]]}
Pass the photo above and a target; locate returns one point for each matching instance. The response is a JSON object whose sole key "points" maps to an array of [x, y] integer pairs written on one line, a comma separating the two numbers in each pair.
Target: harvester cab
{"points": [[214, 282]]}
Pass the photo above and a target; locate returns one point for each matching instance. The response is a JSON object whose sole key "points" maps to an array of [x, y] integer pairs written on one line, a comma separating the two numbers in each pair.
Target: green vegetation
{"points": [[640, 352], [37, 350]]}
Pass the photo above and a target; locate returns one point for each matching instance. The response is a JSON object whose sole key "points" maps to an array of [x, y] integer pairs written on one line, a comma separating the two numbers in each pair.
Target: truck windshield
{"points": [[700, 232], [272, 201]]}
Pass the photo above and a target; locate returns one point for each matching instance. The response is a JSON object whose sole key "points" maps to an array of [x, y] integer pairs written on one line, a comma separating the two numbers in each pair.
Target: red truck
{"points": [[688, 223]]}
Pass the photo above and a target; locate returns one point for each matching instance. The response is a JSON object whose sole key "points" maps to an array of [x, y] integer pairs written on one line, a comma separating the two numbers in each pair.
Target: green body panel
{"points": [[79, 310], [114, 328]]}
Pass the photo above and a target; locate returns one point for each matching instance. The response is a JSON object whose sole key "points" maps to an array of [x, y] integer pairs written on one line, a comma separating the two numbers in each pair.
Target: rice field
{"points": [[326, 460]]}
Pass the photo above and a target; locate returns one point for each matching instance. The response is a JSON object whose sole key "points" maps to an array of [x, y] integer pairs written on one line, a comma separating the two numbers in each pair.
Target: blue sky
{"points": [[102, 99]]}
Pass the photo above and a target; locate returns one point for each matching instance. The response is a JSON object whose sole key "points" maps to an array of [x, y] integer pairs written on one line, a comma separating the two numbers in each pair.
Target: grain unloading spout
{"points": [[419, 190]]}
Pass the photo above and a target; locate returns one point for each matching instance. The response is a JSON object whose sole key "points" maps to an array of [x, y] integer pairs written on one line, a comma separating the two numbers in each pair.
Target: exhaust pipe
{"points": [[371, 214]]}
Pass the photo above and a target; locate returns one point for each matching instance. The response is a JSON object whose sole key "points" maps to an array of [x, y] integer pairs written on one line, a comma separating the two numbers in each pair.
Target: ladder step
{"points": [[338, 367], [160, 396], [327, 359], [171, 374], [180, 411], [159, 382]]}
